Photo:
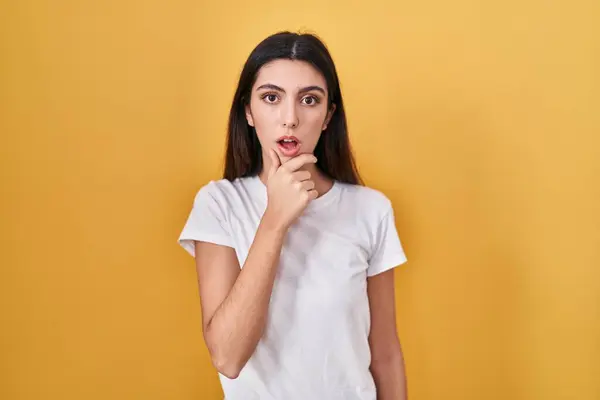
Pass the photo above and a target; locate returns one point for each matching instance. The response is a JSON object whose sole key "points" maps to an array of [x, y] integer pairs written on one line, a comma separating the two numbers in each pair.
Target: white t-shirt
{"points": [[315, 345]]}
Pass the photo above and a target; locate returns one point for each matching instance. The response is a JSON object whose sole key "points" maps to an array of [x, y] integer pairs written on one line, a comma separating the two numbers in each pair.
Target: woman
{"points": [[294, 255]]}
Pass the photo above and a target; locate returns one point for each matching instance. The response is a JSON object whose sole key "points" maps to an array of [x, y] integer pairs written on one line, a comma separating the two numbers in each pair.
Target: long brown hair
{"points": [[243, 156]]}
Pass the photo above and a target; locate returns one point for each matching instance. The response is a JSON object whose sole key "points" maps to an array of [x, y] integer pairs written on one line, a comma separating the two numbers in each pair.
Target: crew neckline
{"points": [[317, 203]]}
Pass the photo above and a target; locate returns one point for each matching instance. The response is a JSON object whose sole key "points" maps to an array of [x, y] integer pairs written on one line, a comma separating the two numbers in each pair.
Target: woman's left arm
{"points": [[387, 360]]}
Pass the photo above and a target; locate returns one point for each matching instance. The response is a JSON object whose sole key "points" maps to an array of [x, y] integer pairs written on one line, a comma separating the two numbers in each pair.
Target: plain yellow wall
{"points": [[480, 120]]}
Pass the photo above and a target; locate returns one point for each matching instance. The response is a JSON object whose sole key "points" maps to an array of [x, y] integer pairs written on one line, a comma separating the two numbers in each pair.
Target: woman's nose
{"points": [[290, 116]]}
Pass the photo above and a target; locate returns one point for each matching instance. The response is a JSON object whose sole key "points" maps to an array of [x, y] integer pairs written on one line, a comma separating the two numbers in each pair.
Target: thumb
{"points": [[275, 162]]}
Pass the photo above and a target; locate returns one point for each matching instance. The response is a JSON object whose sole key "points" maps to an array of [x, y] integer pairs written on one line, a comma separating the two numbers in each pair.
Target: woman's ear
{"points": [[249, 115], [328, 117]]}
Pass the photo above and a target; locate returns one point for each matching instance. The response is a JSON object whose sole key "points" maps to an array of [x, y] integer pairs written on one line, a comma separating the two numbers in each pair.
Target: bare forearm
{"points": [[390, 378], [236, 327]]}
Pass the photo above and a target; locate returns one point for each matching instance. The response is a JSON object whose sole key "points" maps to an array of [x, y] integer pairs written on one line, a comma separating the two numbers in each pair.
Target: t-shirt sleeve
{"points": [[387, 250], [207, 222]]}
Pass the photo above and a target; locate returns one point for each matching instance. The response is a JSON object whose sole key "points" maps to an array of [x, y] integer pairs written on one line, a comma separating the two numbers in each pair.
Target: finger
{"points": [[313, 194], [275, 162], [300, 176], [299, 161], [307, 185]]}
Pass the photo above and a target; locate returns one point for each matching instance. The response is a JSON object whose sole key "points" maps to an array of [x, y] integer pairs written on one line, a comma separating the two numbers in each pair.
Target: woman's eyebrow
{"points": [[310, 88], [279, 89], [270, 86]]}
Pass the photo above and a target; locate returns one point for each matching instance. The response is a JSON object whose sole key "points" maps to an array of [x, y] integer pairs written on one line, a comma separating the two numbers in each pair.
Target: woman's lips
{"points": [[289, 146]]}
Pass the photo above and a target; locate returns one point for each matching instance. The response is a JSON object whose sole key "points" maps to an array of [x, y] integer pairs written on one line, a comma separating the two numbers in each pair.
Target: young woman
{"points": [[294, 254]]}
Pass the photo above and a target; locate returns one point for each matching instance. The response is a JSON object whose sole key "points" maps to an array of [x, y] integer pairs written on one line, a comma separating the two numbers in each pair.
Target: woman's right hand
{"points": [[289, 190]]}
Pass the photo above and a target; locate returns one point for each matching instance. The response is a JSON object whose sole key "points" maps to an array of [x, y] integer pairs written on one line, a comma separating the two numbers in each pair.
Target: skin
{"points": [[235, 301], [280, 106]]}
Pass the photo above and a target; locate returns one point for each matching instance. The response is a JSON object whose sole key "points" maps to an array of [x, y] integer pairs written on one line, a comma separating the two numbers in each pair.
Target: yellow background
{"points": [[480, 120]]}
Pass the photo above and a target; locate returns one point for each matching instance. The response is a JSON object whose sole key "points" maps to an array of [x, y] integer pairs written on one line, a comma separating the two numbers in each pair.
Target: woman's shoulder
{"points": [[366, 195], [366, 203]]}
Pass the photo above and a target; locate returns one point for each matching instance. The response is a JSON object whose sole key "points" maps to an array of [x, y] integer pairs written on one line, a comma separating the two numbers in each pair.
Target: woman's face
{"points": [[288, 108]]}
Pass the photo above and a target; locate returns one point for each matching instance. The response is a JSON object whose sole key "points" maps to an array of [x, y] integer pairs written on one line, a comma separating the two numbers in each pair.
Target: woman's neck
{"points": [[322, 183]]}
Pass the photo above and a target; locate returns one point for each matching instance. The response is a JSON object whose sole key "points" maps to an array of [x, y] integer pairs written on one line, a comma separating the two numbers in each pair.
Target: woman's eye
{"points": [[270, 98], [310, 100]]}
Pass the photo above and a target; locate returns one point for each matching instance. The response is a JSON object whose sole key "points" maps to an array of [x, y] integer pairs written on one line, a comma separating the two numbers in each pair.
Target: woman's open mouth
{"points": [[289, 146]]}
